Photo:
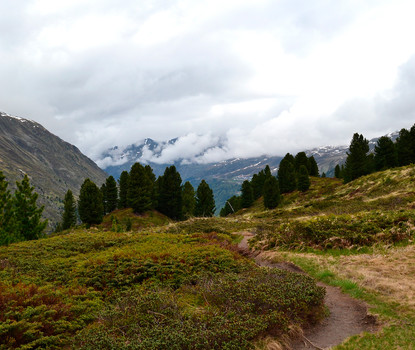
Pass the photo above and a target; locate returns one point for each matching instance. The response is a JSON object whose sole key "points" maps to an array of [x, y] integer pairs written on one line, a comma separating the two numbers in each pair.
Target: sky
{"points": [[253, 76]]}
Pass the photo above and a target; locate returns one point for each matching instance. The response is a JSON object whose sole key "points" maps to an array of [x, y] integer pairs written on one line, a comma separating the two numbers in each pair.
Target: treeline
{"points": [[140, 190], [293, 174], [387, 154], [20, 217]]}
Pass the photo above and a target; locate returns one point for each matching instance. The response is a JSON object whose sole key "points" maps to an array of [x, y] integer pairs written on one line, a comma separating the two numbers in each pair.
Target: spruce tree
{"points": [[405, 147], [28, 216], [231, 206], [313, 167], [103, 190], [69, 211], [247, 197], [123, 184], [286, 175], [385, 154], [90, 207], [188, 200], [205, 202], [301, 159], [140, 189], [112, 194], [170, 194], [357, 161], [7, 228], [271, 193], [303, 179]]}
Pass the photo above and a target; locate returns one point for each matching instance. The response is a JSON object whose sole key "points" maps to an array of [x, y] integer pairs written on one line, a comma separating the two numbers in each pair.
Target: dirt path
{"points": [[348, 316]]}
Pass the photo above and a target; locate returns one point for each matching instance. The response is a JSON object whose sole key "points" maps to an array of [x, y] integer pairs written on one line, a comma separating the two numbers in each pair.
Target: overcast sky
{"points": [[259, 76]]}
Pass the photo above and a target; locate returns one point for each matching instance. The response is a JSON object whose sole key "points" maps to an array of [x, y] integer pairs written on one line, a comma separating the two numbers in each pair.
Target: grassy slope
{"points": [[358, 236], [161, 285]]}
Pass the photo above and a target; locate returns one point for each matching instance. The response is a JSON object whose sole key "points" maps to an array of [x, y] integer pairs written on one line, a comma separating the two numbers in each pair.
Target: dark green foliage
{"points": [[154, 195], [205, 203], [337, 172], [301, 159], [28, 217], [170, 193], [258, 180], [103, 190], [90, 206], [250, 303], [188, 200], [271, 193], [313, 167], [357, 162], [303, 179], [385, 154], [123, 184], [247, 197], [140, 194], [231, 206], [286, 174], [6, 213], [69, 211], [405, 146], [111, 194]]}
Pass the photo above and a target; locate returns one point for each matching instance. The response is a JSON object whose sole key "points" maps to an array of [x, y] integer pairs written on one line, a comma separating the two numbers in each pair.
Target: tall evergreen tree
{"points": [[170, 193], [123, 184], [28, 216], [286, 175], [385, 154], [69, 211], [112, 194], [90, 207], [303, 179], [7, 228], [313, 167], [357, 161], [271, 193], [231, 206], [154, 191], [140, 189], [301, 159], [247, 196], [405, 147], [205, 202], [188, 200], [103, 190], [337, 171]]}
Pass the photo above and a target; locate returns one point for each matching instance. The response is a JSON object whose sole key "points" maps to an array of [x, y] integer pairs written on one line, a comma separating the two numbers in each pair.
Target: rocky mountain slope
{"points": [[53, 165]]}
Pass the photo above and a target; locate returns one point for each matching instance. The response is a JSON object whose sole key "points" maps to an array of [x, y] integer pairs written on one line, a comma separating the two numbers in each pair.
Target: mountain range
{"points": [[53, 165], [224, 177]]}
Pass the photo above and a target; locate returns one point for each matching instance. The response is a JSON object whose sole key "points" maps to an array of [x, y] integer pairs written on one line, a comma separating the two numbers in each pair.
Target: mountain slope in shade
{"points": [[53, 165]]}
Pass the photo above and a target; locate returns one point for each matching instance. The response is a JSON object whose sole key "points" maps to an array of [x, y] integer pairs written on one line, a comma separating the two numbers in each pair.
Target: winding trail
{"points": [[347, 317]]}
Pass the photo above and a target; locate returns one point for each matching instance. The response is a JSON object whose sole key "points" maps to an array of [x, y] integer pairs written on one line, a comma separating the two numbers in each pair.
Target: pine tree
{"points": [[205, 202], [313, 167], [123, 184], [271, 193], [154, 190], [188, 200], [303, 179], [7, 228], [385, 154], [103, 190], [28, 216], [69, 211], [337, 171], [286, 175], [112, 194], [170, 193], [357, 162], [301, 159], [90, 207], [231, 206], [405, 147], [140, 189], [247, 196]]}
